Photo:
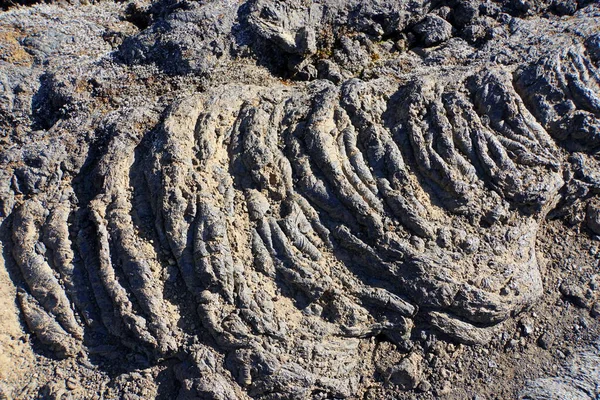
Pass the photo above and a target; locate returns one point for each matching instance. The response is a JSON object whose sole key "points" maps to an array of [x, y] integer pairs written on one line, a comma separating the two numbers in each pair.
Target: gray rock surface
{"points": [[579, 380], [252, 196], [433, 30]]}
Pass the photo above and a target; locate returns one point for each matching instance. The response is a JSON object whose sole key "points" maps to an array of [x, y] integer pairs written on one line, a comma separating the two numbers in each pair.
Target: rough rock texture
{"points": [[578, 381], [327, 199]]}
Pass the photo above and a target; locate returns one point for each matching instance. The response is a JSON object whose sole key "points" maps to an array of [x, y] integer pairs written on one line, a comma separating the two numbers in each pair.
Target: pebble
{"points": [[545, 341], [526, 329], [433, 30], [512, 343], [407, 373], [593, 217], [595, 311], [574, 294], [71, 383], [424, 386]]}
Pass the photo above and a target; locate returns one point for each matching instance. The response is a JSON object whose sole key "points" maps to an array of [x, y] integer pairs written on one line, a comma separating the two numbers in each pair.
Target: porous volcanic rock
{"points": [[250, 197]]}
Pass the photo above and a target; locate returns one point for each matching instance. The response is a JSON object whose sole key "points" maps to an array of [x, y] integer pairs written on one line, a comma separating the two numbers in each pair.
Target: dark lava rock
{"points": [[433, 30]]}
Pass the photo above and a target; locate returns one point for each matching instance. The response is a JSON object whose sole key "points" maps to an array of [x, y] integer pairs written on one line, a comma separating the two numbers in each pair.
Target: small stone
{"points": [[512, 343], [595, 311], [574, 294], [329, 70], [433, 30], [465, 12], [526, 329], [564, 7], [545, 341], [71, 383], [593, 217], [424, 386], [407, 373], [387, 45], [418, 243], [443, 12], [401, 44], [444, 238]]}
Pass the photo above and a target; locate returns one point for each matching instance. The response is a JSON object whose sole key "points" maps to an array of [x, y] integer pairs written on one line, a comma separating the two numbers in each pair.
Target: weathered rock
{"points": [[459, 330], [407, 374], [595, 311], [568, 110], [433, 30], [574, 293], [577, 381], [424, 386], [593, 217], [264, 190], [545, 340]]}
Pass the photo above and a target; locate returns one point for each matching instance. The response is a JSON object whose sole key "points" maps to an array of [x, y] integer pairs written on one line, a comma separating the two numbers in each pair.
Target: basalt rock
{"points": [[577, 381], [260, 189]]}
